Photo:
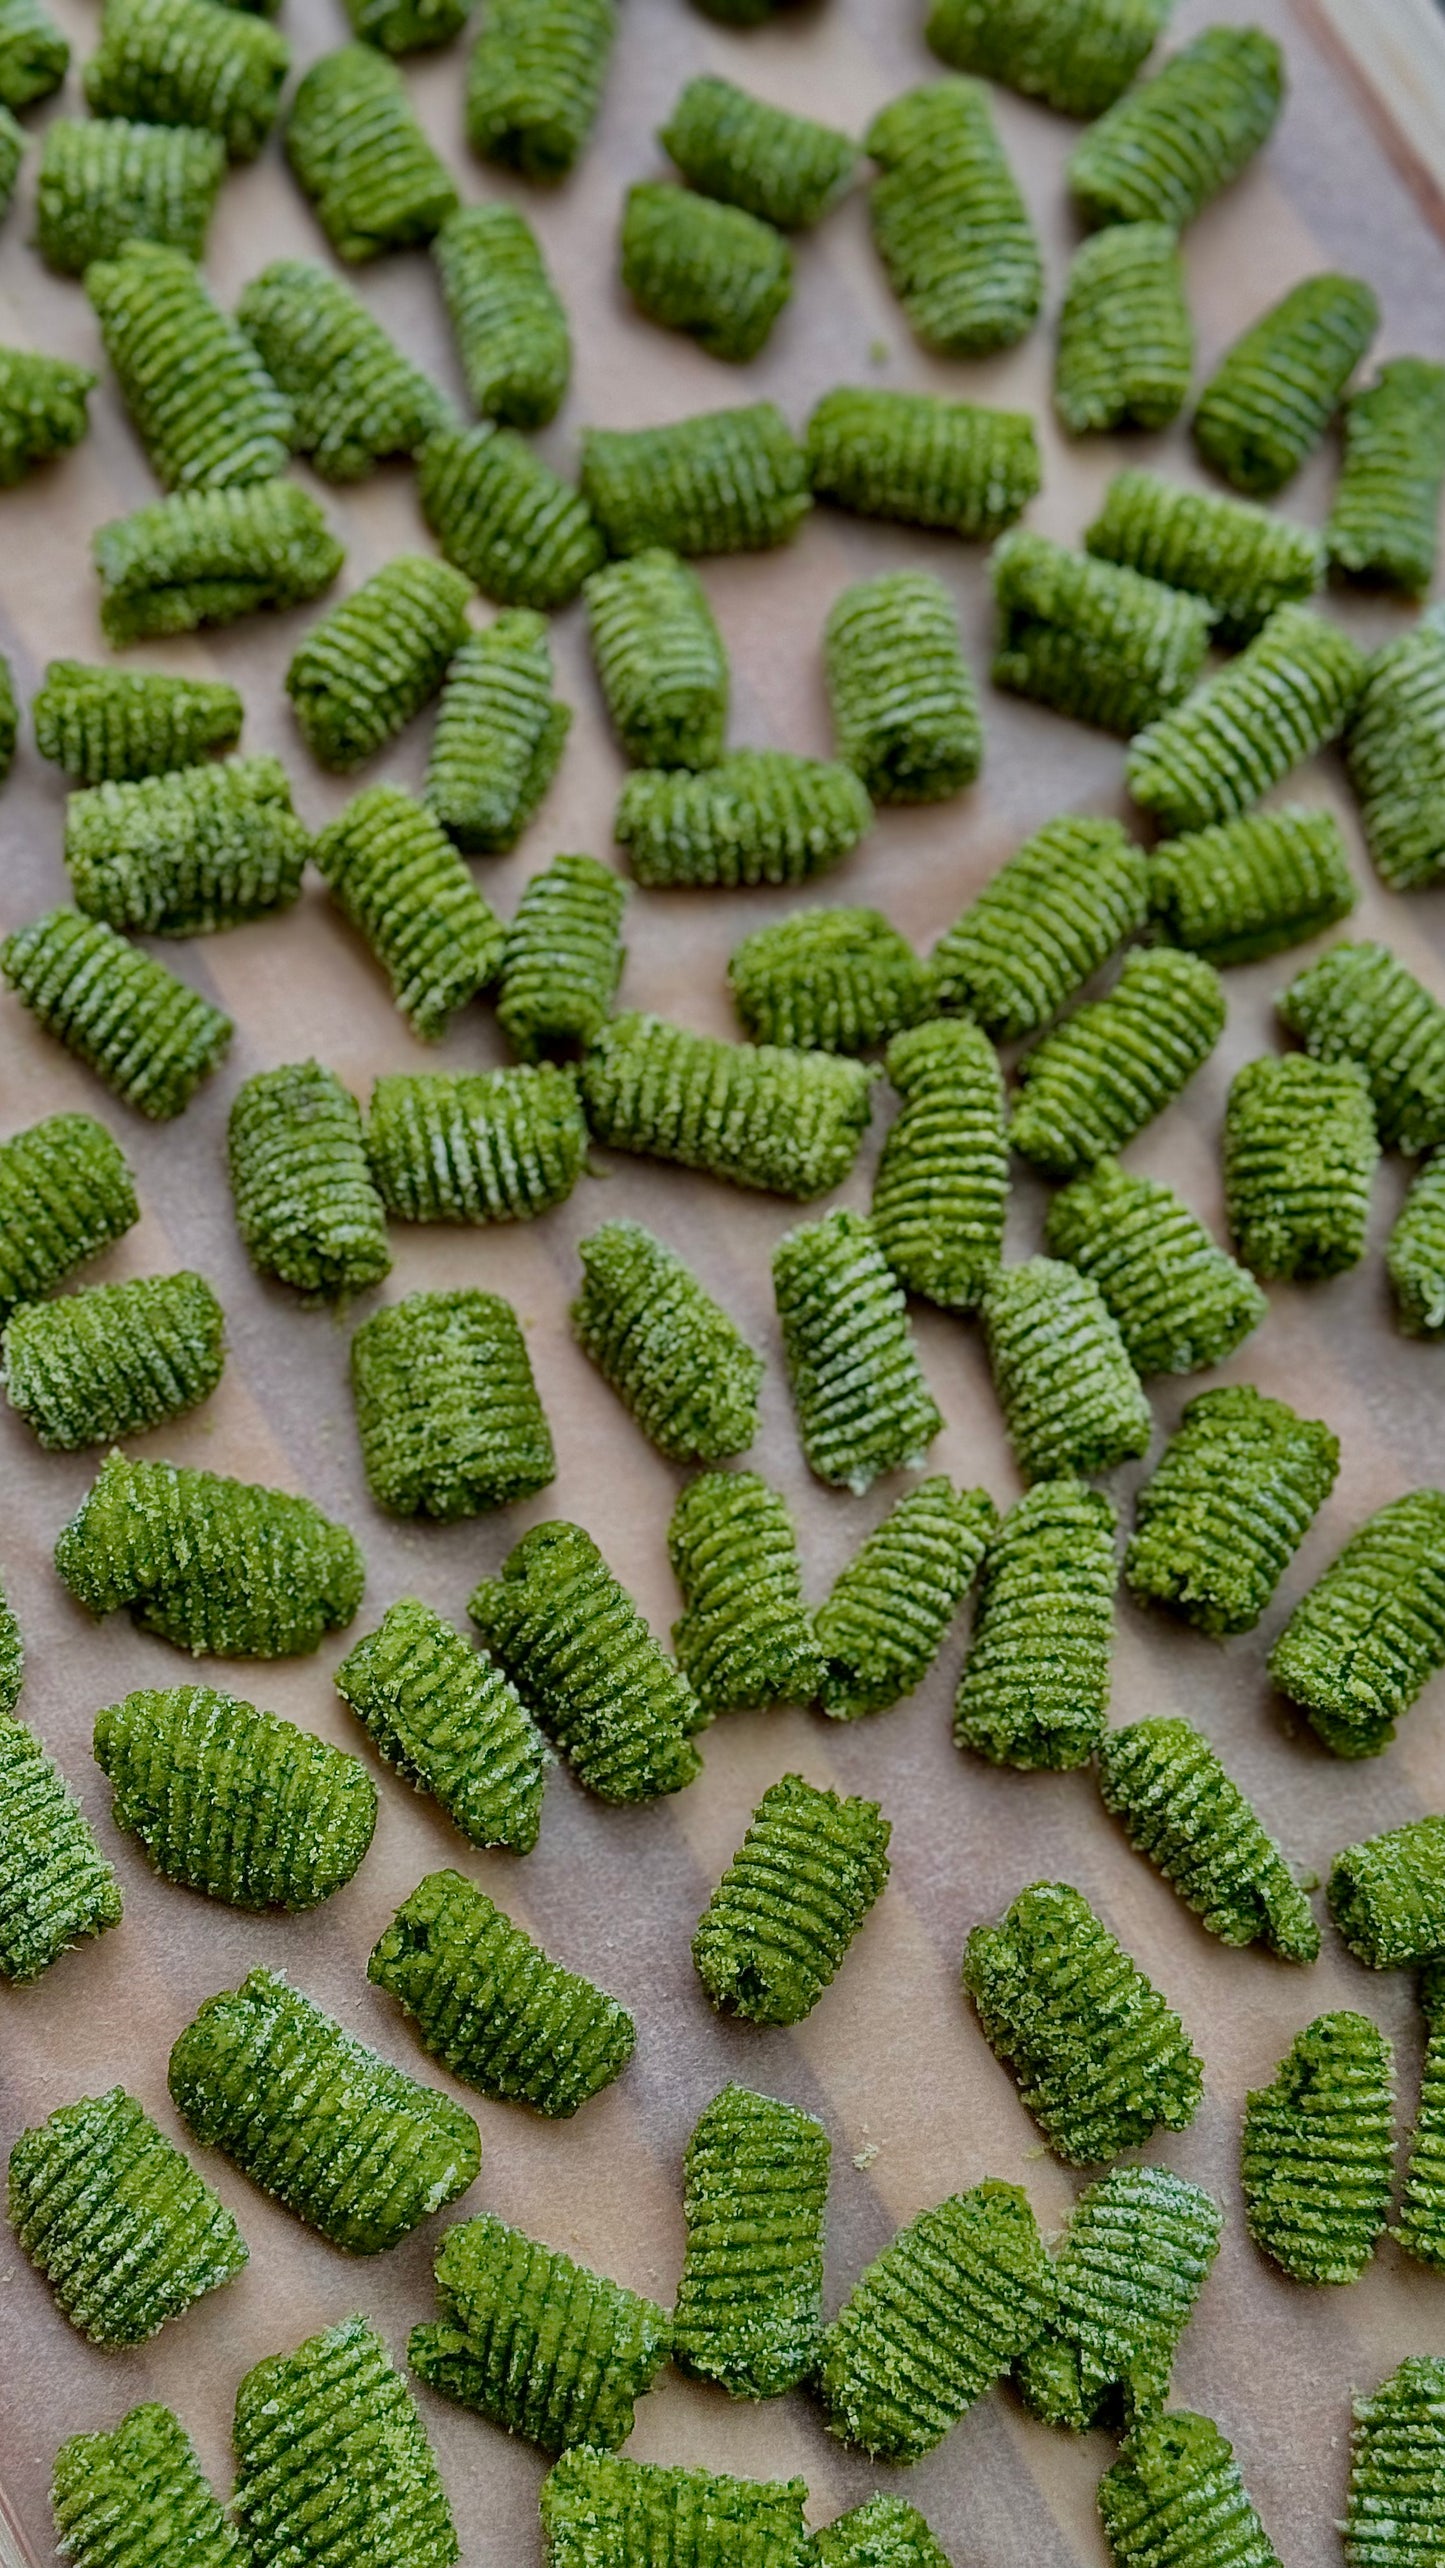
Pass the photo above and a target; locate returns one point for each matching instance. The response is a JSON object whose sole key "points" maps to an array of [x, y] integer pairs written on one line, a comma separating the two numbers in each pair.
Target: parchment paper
{"points": [[891, 2058]]}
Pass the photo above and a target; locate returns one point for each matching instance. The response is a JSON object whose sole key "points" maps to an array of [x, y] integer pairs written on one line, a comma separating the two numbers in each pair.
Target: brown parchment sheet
{"points": [[891, 2058]]}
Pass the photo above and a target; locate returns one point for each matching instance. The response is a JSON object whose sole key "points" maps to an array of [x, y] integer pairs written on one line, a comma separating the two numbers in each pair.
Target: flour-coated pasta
{"points": [[723, 481], [1415, 1253], [447, 1719], [1175, 2499], [1382, 527], [777, 1929], [395, 874], [1126, 339], [1245, 888], [887, 1613], [535, 80], [149, 1036], [1162, 1780], [660, 660], [523, 535], [355, 399], [1034, 1690], [1359, 1003], [406, 26], [34, 55], [1130, 2266], [1094, 1082], [1270, 400], [922, 460], [1290, 693], [1076, 55], [232, 1801], [1397, 2469], [115, 2497], [904, 705], [215, 1565], [65, 1194], [447, 1409], [1300, 1156], [1165, 149], [1180, 1301], [563, 958], [1420, 2229], [787, 1122], [885, 2532], [492, 2006], [209, 556], [757, 816], [784, 168], [953, 2300], [361, 674], [55, 1884], [1090, 638], [1042, 925], [333, 2466], [1102, 2061], [306, 1204], [42, 410], [189, 62], [1242, 559], [1071, 1399], [1317, 2151], [863, 1405], [941, 1188], [359, 153], [745, 1639], [1395, 748], [708, 269], [105, 180], [950, 225], [113, 1359], [828, 980], [203, 404], [1387, 1896], [183, 853], [600, 2510], [117, 2220], [476, 1145], [500, 732], [507, 318], [1227, 1506], [112, 726], [749, 2311], [570, 1637], [672, 1354]]}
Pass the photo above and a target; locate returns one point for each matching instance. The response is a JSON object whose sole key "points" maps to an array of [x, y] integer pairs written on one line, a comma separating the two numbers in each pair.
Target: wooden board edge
{"points": [[1393, 55]]}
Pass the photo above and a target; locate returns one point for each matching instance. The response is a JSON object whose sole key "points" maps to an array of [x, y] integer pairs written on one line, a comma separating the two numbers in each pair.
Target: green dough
{"points": [[450, 1722], [1358, 1003], [111, 726], [395, 874], [1094, 1082], [1370, 1633], [660, 659], [360, 154], [1129, 2269], [563, 957], [113, 1359], [1249, 887], [509, 321], [777, 1929], [788, 1123], [204, 407], [923, 461], [671, 1353], [138, 2498], [951, 228], [1382, 527], [1034, 1691], [708, 269], [184, 853], [1175, 2499], [534, 82], [723, 481], [1180, 1302], [1387, 1896], [1042, 926], [1243, 560], [355, 399], [1270, 400], [189, 62], [306, 1205], [828, 980], [749, 2309], [904, 705], [361, 674], [1317, 2154], [786, 169], [1091, 638], [209, 556], [333, 2467], [1230, 1500], [758, 816], [475, 1145], [105, 180], [600, 2511], [523, 535], [1126, 339], [55, 1884], [499, 737], [1165, 149], [745, 1641], [1300, 1156], [1076, 55], [65, 1194], [863, 1405], [1072, 1401], [888, 1612], [1290, 693], [447, 1407], [1397, 2470], [1179, 1807], [146, 1033]]}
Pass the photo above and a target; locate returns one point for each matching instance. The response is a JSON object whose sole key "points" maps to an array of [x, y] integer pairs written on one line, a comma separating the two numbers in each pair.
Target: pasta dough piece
{"points": [[1387, 1896], [1131, 2265], [1229, 1503], [204, 407], [953, 2300], [758, 816], [42, 410], [113, 1359], [306, 1204], [1358, 1003], [675, 1359], [777, 1929], [447, 1408], [601, 2511], [570, 1637], [359, 153], [1382, 526], [1042, 925], [12, 148], [745, 1642], [951, 228], [34, 55], [1415, 1253], [1090, 639], [120, 2500], [1268, 403], [885, 1618], [106, 180], [209, 556], [534, 82], [709, 269], [536, 2343], [350, 2144], [723, 481], [789, 1123], [476, 1145], [189, 62], [904, 705], [520, 533], [1097, 1080], [406, 26], [749, 2309], [1300, 1156], [828, 980], [1101, 2060], [1421, 2226], [1034, 1692], [65, 1194], [563, 958], [884, 2533], [1243, 560], [361, 674], [333, 2467], [215, 1565], [114, 2216], [355, 399], [12, 1659], [55, 1884], [1317, 2153], [1396, 753], [660, 660], [1126, 339], [509, 321], [1250, 887], [941, 1188], [863, 1405], [785, 169], [1175, 2499], [499, 736], [1180, 1302], [147, 1035], [1076, 55], [113, 726], [448, 1720], [396, 875], [1289, 694], [923, 461], [1164, 151], [1397, 2469], [1071, 1399], [1180, 1808], [188, 852], [232, 1801], [490, 2004]]}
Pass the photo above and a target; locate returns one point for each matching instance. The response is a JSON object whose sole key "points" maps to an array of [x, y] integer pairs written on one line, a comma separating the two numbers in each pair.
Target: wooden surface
{"points": [[891, 2058]]}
